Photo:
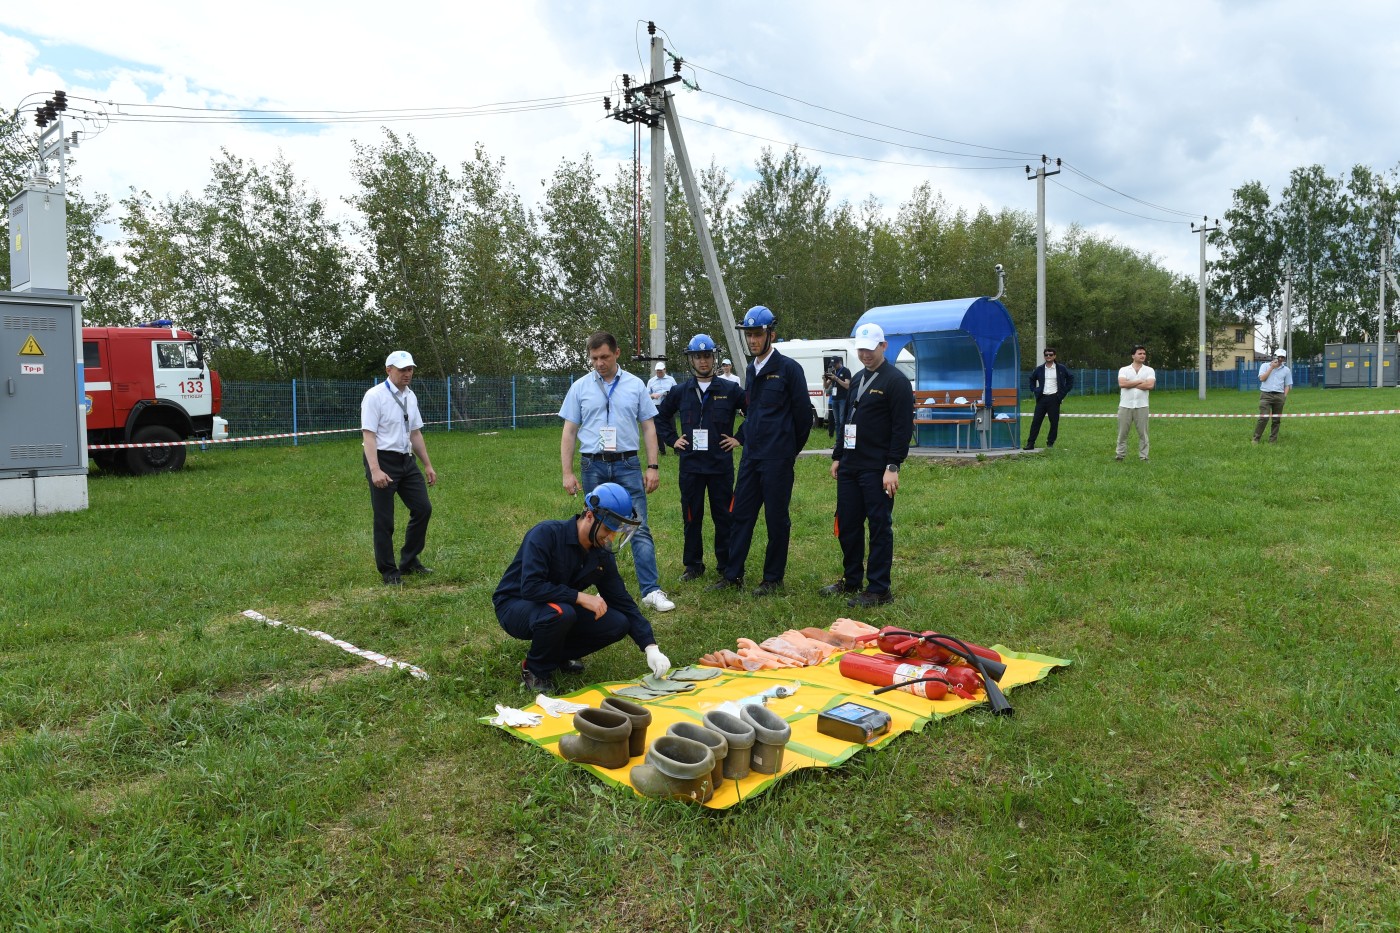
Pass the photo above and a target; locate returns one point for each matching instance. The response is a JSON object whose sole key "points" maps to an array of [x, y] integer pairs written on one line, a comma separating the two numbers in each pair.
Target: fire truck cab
{"points": [[148, 385]]}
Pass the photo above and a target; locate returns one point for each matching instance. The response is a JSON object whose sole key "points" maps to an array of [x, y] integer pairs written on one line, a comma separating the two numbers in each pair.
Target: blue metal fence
{"points": [[1244, 378]]}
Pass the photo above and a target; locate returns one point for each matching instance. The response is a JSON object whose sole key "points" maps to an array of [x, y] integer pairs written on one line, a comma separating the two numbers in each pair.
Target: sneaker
{"points": [[867, 600], [726, 584], [392, 578], [573, 667], [768, 588], [692, 573], [837, 589], [657, 600], [536, 683]]}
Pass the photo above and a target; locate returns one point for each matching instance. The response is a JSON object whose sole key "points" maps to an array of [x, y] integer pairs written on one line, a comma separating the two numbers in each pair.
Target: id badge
{"points": [[850, 436], [700, 439], [608, 435]]}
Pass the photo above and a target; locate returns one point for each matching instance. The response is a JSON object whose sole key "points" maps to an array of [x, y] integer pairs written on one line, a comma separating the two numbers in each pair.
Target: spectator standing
{"points": [[1275, 382], [1050, 383], [1135, 381]]}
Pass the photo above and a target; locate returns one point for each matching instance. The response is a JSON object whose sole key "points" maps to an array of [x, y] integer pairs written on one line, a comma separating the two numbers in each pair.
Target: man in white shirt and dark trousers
{"points": [[392, 428], [1050, 383], [1134, 380], [1275, 381]]}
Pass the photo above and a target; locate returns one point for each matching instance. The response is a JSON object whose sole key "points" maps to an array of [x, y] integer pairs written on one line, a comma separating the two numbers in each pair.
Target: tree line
{"points": [[452, 263]]}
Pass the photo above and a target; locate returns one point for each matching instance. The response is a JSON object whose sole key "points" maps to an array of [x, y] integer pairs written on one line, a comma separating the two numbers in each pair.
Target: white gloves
{"points": [[657, 661]]}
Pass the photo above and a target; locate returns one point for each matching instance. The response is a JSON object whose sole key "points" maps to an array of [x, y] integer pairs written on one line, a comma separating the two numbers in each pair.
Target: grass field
{"points": [[1222, 754]]}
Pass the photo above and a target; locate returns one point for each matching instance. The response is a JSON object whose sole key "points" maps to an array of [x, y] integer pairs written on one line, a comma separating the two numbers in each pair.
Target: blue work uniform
{"points": [[778, 418], [703, 472], [535, 599]]}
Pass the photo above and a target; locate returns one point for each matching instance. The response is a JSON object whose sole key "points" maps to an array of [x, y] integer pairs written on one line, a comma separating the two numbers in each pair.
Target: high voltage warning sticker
{"points": [[31, 348]]}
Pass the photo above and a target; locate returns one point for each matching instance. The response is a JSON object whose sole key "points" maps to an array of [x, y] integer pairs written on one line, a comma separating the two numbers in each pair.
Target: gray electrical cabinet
{"points": [[38, 238], [43, 435]]}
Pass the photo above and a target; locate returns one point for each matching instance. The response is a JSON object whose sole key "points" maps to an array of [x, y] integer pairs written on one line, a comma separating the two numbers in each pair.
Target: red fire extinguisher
{"points": [[931, 681]]}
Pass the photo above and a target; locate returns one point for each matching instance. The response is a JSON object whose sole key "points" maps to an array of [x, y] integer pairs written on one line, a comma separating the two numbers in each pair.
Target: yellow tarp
{"points": [[823, 687]]}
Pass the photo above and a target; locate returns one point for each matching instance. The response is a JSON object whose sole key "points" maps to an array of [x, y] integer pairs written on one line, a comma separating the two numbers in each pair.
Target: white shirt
{"points": [[1051, 385], [730, 376], [758, 364], [391, 423], [1134, 398]]}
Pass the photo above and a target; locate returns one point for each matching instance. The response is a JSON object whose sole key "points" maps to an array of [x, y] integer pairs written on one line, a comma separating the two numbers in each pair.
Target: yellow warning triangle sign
{"points": [[31, 348]]}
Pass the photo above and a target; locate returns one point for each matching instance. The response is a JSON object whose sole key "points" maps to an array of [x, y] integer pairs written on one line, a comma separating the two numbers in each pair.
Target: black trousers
{"points": [[861, 500], [406, 481], [559, 632], [1045, 405], [765, 484], [695, 487]]}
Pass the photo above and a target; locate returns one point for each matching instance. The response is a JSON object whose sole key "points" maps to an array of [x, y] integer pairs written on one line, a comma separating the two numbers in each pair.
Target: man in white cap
{"points": [[870, 448], [1275, 381], [392, 428], [726, 370], [660, 384]]}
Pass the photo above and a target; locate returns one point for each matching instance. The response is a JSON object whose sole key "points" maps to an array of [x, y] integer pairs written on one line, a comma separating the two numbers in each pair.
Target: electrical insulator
{"points": [[41, 116], [677, 65], [651, 28], [60, 100], [607, 103], [626, 80]]}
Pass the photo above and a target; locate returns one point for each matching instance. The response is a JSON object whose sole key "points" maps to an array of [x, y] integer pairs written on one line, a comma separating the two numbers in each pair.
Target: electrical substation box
{"points": [[38, 238], [43, 431]]}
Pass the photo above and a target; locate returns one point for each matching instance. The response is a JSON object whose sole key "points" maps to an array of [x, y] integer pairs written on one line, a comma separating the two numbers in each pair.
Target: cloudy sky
{"points": [[1159, 110]]}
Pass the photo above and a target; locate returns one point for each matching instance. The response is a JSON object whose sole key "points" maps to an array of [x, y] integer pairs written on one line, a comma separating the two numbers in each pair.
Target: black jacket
{"points": [[884, 420], [715, 413], [778, 411], [1065, 381]]}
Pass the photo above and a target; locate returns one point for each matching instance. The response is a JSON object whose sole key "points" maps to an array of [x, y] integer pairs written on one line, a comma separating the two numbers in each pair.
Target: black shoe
{"points": [[573, 667], [840, 587], [726, 584], [768, 588], [691, 573], [1029, 447], [867, 599], [392, 578], [539, 683], [413, 568]]}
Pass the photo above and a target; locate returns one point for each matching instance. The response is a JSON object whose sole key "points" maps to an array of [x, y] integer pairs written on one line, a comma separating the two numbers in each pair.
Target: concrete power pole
{"points": [[658, 205], [1204, 348], [1039, 177], [1380, 340], [1288, 313]]}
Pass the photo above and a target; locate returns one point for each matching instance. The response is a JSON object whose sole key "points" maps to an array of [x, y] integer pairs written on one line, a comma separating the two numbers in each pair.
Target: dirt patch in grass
{"points": [[104, 799], [311, 683]]}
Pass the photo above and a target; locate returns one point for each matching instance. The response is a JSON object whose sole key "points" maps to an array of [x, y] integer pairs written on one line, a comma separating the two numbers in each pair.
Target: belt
{"points": [[611, 457]]}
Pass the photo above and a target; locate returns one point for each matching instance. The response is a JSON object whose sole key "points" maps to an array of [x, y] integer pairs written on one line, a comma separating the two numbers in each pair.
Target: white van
{"points": [[820, 356]]}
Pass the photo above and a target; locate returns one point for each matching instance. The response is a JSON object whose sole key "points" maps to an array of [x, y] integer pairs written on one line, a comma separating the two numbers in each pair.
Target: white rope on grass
{"points": [[374, 656]]}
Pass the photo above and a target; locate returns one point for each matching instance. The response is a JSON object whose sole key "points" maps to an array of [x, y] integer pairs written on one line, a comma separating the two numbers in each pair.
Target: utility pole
{"points": [[1288, 312], [1204, 349], [1380, 340], [658, 201], [1039, 176]]}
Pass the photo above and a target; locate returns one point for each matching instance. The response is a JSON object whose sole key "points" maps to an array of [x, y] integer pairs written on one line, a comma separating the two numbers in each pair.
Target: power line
{"points": [[1159, 207], [1120, 210]]}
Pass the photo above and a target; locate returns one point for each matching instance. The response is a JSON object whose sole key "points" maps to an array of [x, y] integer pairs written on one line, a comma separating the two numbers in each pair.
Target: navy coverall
{"points": [[703, 472], [884, 420], [778, 418], [535, 599]]}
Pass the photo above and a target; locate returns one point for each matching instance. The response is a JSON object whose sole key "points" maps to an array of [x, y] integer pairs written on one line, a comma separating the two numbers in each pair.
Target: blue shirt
{"points": [[1278, 381], [552, 567], [592, 404]]}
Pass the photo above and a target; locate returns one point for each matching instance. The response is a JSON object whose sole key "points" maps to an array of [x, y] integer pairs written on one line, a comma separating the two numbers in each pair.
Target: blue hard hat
{"points": [[700, 343], [611, 504], [758, 316]]}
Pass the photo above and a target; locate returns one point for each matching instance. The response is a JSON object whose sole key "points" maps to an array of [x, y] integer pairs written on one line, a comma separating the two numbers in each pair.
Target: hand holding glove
{"points": [[657, 661]]}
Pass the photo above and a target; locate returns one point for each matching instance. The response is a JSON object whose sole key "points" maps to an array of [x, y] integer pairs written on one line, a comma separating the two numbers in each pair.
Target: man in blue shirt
{"points": [[778, 418], [605, 414], [1275, 382], [706, 404], [541, 597]]}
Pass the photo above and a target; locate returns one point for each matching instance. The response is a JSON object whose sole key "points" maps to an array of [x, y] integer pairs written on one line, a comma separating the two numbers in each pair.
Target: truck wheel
{"points": [[110, 461], [143, 460]]}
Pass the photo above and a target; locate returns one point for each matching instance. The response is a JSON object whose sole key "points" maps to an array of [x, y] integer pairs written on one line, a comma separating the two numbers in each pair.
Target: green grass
{"points": [[1222, 754]]}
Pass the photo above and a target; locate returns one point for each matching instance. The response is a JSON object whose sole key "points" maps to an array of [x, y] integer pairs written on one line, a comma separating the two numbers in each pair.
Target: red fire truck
{"points": [[148, 385]]}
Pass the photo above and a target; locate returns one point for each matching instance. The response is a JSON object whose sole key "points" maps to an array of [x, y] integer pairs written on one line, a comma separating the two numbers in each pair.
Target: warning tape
{"points": [[1300, 414], [374, 656], [200, 442]]}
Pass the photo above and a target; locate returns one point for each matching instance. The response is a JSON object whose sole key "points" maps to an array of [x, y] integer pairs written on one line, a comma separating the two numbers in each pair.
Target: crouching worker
{"points": [[541, 598]]}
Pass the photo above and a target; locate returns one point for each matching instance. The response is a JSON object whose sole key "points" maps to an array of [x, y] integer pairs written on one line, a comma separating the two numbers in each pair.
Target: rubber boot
{"points": [[675, 768], [718, 745], [771, 737], [601, 739], [641, 720], [739, 735]]}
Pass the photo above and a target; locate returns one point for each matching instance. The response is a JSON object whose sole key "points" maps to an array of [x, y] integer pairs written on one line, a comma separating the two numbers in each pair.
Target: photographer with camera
{"points": [[837, 382]]}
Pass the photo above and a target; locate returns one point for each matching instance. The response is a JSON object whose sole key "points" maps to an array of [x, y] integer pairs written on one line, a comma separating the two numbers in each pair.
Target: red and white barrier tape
{"points": [[200, 442], [374, 656], [1299, 414]]}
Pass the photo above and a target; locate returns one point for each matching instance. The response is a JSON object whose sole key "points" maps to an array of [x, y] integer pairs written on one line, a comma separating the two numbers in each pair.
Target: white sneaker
{"points": [[657, 600]]}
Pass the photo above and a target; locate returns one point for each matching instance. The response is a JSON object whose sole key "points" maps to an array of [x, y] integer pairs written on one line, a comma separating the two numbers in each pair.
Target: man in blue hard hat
{"points": [[778, 418], [705, 443], [541, 597]]}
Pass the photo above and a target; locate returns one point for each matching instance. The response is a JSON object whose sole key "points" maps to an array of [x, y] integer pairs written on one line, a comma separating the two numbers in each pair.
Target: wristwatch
{"points": [[653, 466], [892, 467]]}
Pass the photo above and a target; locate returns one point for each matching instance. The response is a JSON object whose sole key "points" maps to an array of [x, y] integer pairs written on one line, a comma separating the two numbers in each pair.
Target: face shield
{"points": [[623, 528]]}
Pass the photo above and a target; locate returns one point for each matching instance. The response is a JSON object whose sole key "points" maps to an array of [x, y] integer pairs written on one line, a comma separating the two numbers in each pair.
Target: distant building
{"points": [[1232, 344]]}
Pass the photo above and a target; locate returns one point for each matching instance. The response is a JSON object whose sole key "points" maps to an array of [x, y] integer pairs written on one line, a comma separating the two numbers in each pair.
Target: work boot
{"points": [[601, 738], [717, 744], [391, 578], [641, 720], [537, 683], [739, 735], [768, 588], [771, 734], [838, 588], [677, 768], [726, 584], [692, 573], [574, 666], [869, 600], [415, 567]]}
